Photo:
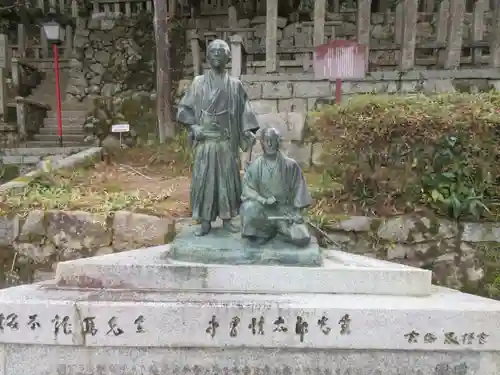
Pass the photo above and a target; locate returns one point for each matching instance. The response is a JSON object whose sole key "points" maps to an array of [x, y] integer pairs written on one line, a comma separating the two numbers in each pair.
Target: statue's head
{"points": [[218, 53], [270, 140]]}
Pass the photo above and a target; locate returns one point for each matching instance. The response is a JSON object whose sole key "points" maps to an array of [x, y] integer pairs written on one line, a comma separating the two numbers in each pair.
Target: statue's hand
{"points": [[197, 132], [250, 138], [298, 219], [271, 200]]}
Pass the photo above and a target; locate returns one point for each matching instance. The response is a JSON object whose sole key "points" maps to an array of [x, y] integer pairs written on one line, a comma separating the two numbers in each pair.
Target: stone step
{"points": [[55, 137], [52, 118], [66, 131], [68, 113], [75, 107], [65, 119], [53, 143], [24, 150], [65, 124]]}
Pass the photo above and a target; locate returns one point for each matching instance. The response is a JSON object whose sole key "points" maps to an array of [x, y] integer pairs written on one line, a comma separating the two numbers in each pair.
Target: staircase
{"points": [[73, 115]]}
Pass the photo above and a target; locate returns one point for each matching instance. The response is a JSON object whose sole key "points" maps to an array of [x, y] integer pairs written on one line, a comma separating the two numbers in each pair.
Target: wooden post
{"points": [[272, 36], [430, 5], [16, 74], [194, 39], [166, 127], [480, 8], [319, 22], [442, 28], [21, 40], [455, 34], [410, 12], [495, 40], [44, 44], [398, 22], [363, 26], [74, 8], [172, 8], [236, 55], [4, 57], [336, 6], [52, 6], [21, 117], [68, 42], [232, 17], [383, 5]]}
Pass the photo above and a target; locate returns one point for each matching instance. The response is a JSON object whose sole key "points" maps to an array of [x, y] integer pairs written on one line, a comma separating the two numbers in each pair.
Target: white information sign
{"points": [[120, 128]]}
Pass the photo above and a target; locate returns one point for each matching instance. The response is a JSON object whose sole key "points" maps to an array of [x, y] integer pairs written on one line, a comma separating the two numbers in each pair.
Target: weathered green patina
{"points": [[223, 247], [273, 230], [217, 109], [222, 123], [274, 193]]}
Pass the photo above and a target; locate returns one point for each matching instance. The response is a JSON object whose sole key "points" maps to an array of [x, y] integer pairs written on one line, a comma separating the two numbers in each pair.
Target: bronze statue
{"points": [[217, 109], [274, 193]]}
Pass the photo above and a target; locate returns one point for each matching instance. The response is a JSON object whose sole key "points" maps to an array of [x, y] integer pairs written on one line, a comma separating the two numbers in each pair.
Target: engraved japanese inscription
{"points": [[449, 338], [300, 326], [61, 324]]}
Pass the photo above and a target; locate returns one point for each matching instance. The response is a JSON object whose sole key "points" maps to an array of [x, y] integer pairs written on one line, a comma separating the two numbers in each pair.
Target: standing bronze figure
{"points": [[217, 109]]}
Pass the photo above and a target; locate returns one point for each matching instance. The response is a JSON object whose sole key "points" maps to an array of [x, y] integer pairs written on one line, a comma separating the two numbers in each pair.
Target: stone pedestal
{"points": [[138, 312], [222, 247]]}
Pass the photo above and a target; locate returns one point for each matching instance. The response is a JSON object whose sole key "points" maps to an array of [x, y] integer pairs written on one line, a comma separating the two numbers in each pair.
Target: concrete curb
{"points": [[49, 165]]}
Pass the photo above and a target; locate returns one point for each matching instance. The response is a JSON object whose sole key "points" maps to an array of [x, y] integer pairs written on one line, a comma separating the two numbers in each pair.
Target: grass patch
{"points": [[148, 179]]}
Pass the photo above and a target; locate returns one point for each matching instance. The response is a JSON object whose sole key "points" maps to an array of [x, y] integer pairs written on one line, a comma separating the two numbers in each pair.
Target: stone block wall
{"points": [[462, 256], [36, 243], [292, 34], [284, 100], [112, 57]]}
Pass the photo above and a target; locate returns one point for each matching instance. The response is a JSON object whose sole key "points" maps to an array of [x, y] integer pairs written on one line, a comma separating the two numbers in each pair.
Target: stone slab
{"points": [[40, 360], [447, 321], [289, 124], [44, 360], [221, 247], [148, 269]]}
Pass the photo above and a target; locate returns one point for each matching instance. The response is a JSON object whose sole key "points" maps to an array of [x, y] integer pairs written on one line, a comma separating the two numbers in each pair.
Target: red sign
{"points": [[340, 59]]}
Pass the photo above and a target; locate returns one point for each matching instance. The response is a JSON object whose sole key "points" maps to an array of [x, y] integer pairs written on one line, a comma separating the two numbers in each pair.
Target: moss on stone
{"points": [[488, 255]]}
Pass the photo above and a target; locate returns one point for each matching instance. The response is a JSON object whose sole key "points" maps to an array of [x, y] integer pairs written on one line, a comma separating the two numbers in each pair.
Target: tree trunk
{"points": [[166, 126]]}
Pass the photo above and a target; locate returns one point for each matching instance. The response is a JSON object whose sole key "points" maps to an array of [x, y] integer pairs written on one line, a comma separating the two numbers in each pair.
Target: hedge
{"points": [[394, 154]]}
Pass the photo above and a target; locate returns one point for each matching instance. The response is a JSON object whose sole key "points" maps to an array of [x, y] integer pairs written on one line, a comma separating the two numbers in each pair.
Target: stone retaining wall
{"points": [[301, 93], [284, 100], [112, 57], [37, 242], [463, 256]]}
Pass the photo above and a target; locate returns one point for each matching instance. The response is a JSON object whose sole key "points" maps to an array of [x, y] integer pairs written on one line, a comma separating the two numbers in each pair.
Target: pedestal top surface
{"points": [[151, 269]]}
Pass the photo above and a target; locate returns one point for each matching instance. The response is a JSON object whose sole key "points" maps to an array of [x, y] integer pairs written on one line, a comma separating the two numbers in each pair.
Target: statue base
{"points": [[220, 246], [134, 313]]}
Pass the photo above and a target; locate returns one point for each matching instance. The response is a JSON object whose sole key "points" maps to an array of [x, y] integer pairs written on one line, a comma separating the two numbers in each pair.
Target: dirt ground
{"points": [[147, 172], [149, 180]]}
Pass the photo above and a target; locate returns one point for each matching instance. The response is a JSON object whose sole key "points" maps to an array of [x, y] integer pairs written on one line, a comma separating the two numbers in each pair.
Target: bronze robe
{"points": [[282, 179], [224, 113]]}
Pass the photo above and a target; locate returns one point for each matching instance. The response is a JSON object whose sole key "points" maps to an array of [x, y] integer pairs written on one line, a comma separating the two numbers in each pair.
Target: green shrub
{"points": [[394, 154], [138, 110]]}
